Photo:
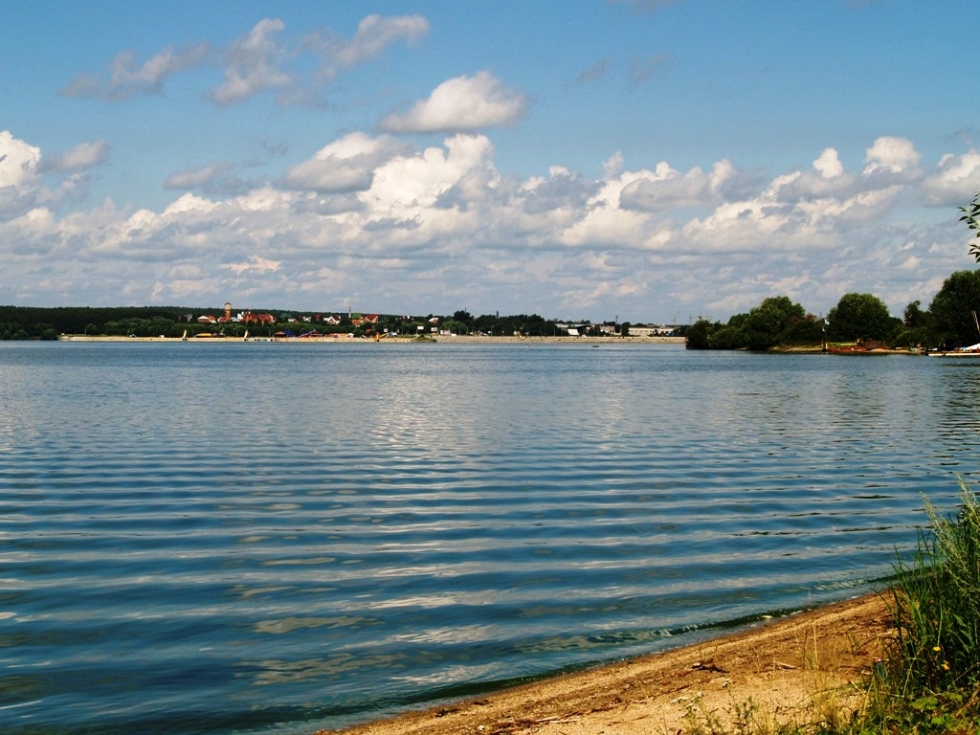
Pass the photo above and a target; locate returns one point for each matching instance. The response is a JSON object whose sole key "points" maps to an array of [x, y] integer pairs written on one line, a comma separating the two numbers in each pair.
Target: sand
{"points": [[806, 665]]}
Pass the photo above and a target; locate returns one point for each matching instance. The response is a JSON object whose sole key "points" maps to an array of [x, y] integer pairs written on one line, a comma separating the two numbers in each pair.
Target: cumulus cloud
{"points": [[21, 183], [19, 161], [461, 104], [445, 224], [127, 79], [891, 155], [347, 164], [828, 164], [664, 188], [955, 181]]}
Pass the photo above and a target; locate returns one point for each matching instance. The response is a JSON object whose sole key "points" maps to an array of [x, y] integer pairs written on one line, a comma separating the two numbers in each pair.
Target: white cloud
{"points": [[195, 178], [126, 79], [828, 165], [665, 189], [347, 164], [255, 264], [190, 203], [253, 65], [956, 180], [421, 229], [82, 156], [256, 62], [19, 161], [891, 155], [461, 104], [405, 185], [374, 35], [613, 165]]}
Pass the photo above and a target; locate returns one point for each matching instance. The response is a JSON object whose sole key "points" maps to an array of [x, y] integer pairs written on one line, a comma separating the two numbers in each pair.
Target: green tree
{"points": [[699, 334], [954, 307], [728, 337], [767, 323], [860, 316], [917, 327]]}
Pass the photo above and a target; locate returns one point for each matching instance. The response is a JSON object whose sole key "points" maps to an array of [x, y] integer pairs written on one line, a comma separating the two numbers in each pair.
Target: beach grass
{"points": [[929, 680]]}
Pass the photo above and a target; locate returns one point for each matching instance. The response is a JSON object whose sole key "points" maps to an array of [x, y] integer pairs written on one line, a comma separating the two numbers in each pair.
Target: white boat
{"points": [[971, 351]]}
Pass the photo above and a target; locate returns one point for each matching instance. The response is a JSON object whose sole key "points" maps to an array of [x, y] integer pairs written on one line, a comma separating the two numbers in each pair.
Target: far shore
{"points": [[468, 340], [441, 339]]}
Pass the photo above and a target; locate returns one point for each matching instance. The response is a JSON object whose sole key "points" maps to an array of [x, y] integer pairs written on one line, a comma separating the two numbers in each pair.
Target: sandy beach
{"points": [[803, 666]]}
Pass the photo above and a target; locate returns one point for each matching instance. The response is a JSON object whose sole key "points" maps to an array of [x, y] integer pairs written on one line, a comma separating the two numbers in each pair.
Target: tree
{"points": [[860, 316], [766, 323], [918, 326], [699, 333], [624, 330], [953, 309]]}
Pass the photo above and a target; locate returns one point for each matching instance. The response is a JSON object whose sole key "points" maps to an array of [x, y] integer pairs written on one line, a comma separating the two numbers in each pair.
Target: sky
{"points": [[638, 160]]}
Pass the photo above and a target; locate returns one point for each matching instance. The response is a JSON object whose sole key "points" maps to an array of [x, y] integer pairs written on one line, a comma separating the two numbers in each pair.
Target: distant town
{"points": [[228, 322]]}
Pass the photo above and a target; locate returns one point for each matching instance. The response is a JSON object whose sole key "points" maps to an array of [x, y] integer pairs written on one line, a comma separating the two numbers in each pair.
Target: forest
{"points": [[949, 322]]}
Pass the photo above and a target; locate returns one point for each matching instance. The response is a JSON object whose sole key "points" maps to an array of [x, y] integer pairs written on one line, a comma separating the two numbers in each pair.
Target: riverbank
{"points": [[804, 666]]}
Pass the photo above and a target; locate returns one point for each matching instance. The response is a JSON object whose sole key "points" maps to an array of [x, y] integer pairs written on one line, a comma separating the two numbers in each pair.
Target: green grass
{"points": [[929, 681]]}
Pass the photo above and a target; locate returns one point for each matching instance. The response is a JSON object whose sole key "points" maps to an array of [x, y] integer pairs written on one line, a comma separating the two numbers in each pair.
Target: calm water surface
{"points": [[260, 538]]}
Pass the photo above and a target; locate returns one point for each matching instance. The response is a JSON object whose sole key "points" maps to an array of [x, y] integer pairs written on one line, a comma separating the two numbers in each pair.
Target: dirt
{"points": [[796, 668]]}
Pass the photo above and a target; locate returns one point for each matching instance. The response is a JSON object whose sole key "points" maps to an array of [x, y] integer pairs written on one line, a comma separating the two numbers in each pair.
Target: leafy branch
{"points": [[971, 215]]}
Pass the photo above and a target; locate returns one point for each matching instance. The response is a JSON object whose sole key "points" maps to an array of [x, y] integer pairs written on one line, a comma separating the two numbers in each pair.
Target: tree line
{"points": [[949, 322], [48, 323]]}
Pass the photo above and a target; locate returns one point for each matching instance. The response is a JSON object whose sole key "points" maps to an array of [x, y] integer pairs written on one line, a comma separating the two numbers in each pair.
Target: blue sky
{"points": [[649, 159]]}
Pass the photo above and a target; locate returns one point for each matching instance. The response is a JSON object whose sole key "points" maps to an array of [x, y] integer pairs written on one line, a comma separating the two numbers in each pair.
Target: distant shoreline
{"points": [[441, 339], [464, 340]]}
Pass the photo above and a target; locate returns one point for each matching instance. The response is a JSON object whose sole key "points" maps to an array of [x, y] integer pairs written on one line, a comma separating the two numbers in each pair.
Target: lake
{"points": [[269, 538]]}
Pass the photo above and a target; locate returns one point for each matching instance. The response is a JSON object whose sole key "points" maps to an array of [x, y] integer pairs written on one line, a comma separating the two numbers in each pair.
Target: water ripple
{"points": [[240, 538]]}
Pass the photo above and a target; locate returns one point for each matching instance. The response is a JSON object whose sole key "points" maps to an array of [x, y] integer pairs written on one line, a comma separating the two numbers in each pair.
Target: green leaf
{"points": [[924, 703]]}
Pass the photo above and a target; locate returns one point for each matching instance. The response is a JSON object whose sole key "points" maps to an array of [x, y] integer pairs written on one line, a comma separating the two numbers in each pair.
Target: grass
{"points": [[929, 681]]}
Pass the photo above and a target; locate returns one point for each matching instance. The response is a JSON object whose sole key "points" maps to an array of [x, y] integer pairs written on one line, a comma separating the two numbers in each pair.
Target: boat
{"points": [[971, 351]]}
